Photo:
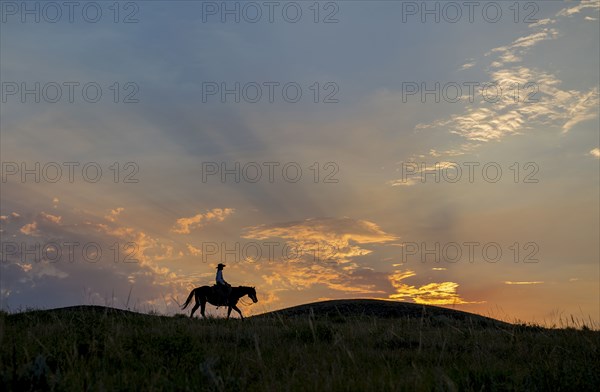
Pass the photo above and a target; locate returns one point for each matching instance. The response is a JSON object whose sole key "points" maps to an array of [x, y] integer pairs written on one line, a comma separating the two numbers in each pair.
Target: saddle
{"points": [[220, 294]]}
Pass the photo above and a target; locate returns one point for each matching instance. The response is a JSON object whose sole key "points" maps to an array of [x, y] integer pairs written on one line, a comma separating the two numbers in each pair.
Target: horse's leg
{"points": [[196, 305], [194, 309], [228, 312], [203, 307], [237, 310]]}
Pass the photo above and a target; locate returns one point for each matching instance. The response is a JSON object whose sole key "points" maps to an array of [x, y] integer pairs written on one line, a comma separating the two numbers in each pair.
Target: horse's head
{"points": [[252, 294]]}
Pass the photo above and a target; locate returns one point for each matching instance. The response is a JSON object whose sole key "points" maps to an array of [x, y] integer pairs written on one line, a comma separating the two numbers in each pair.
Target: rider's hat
{"points": [[221, 265]]}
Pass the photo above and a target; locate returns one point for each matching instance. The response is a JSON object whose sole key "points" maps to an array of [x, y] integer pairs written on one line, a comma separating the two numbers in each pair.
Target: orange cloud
{"points": [[185, 225], [329, 246], [443, 293], [193, 250], [30, 229], [333, 238], [113, 214], [33, 229], [301, 277], [51, 218]]}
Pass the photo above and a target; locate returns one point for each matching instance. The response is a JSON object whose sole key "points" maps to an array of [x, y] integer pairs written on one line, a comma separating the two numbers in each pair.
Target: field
{"points": [[337, 345]]}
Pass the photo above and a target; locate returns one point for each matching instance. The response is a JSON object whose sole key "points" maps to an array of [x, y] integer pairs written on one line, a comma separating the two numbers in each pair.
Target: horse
{"points": [[206, 294]]}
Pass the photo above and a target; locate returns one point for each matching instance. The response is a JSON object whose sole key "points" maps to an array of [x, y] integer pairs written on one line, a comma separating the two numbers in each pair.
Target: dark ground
{"points": [[349, 345]]}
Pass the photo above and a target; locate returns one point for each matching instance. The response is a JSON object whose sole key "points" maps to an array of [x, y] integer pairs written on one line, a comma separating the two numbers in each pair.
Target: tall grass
{"points": [[106, 350]]}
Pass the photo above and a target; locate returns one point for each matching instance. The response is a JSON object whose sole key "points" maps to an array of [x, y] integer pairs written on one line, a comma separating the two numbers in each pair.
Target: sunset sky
{"points": [[348, 205]]}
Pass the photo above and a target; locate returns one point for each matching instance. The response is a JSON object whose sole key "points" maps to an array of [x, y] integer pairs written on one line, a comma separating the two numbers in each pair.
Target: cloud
{"points": [[327, 260], [546, 105], [441, 293], [506, 111], [185, 225], [338, 236], [302, 277], [522, 283], [54, 259], [193, 250], [409, 181], [583, 5], [542, 22], [582, 108], [30, 229], [452, 152], [345, 275], [469, 64], [539, 102], [113, 214], [51, 218], [512, 53]]}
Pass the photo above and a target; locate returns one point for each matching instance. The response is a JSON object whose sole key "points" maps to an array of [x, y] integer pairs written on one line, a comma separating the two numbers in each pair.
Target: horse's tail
{"points": [[189, 299]]}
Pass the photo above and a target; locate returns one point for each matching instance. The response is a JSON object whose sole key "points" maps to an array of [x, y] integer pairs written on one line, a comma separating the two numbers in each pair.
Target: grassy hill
{"points": [[343, 308], [332, 345]]}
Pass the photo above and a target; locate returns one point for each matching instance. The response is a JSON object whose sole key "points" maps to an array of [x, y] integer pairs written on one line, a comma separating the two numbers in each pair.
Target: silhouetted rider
{"points": [[223, 288]]}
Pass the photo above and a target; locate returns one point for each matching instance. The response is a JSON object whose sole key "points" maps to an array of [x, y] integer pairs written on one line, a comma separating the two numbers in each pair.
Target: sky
{"points": [[428, 152]]}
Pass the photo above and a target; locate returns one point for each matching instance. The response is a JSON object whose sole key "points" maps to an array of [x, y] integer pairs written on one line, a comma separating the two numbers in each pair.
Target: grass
{"points": [[95, 348]]}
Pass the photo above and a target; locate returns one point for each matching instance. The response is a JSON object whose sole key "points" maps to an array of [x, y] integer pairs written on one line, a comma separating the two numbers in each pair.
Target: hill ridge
{"points": [[378, 308], [335, 308]]}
